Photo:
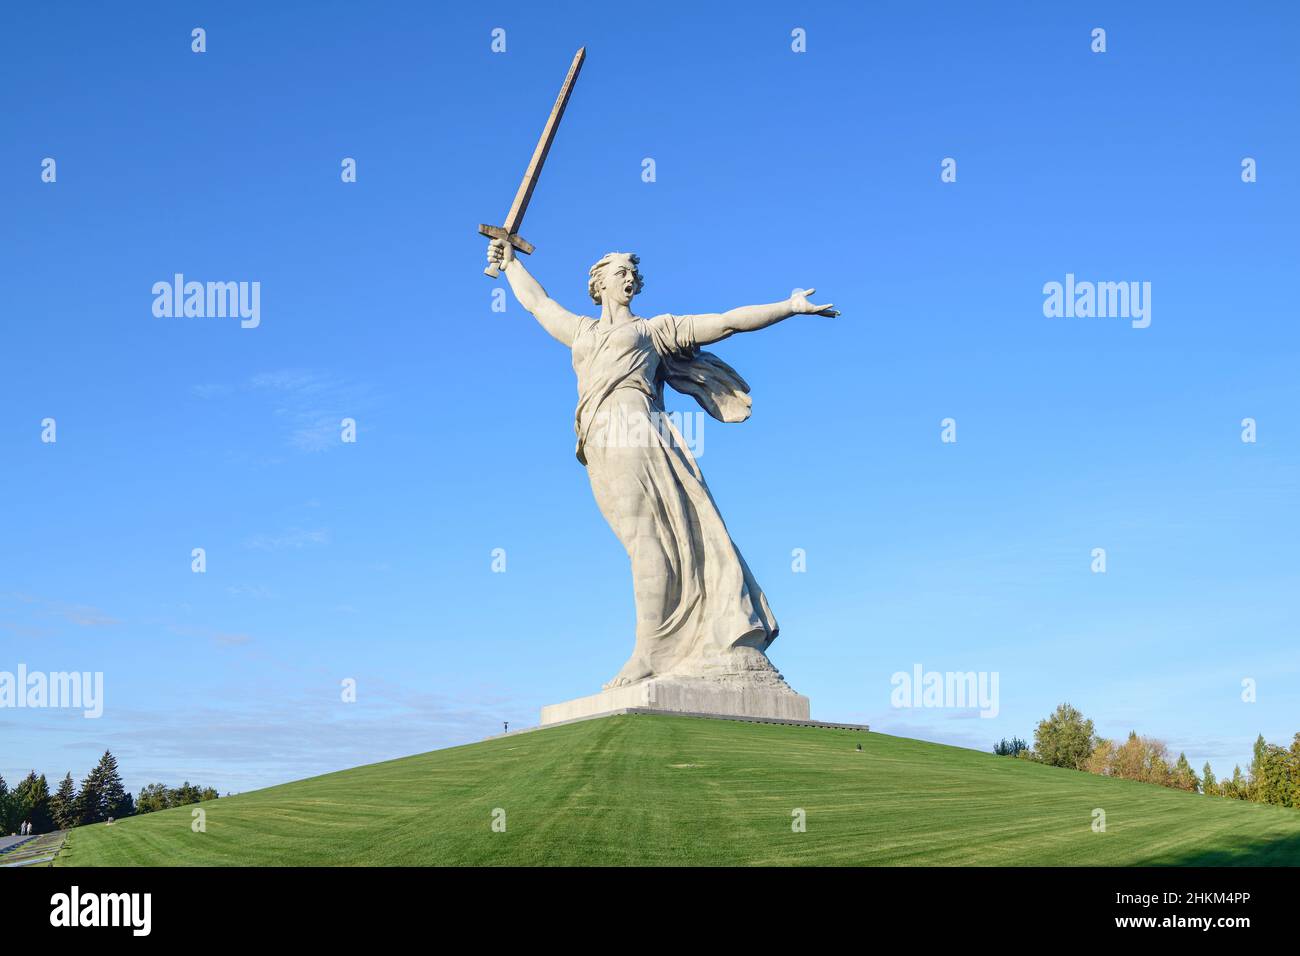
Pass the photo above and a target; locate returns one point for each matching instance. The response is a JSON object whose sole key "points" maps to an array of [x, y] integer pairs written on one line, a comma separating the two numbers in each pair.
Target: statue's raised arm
{"points": [[716, 326], [553, 317]]}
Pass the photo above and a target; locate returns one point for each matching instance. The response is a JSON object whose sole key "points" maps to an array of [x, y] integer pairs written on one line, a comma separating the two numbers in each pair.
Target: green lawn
{"points": [[680, 790]]}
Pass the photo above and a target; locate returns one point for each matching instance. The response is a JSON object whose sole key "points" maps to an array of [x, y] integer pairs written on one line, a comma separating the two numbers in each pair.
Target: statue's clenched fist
{"points": [[500, 253]]}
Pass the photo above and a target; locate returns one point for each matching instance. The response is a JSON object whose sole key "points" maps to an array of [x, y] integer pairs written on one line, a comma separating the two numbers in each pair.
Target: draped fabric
{"points": [[696, 600]]}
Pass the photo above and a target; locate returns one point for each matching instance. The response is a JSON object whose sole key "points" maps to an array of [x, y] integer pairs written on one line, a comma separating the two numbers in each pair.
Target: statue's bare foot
{"points": [[636, 669]]}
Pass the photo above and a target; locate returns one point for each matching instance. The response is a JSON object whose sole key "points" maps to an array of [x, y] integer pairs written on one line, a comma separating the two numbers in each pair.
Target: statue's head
{"points": [[615, 279]]}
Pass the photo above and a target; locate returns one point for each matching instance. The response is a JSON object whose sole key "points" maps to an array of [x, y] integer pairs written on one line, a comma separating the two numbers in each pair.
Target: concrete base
{"points": [[687, 696]]}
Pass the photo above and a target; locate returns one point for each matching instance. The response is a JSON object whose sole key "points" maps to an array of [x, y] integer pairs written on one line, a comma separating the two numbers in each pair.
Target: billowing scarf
{"points": [[710, 381]]}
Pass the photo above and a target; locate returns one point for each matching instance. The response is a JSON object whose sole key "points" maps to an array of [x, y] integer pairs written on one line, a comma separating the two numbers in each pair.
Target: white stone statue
{"points": [[700, 613]]}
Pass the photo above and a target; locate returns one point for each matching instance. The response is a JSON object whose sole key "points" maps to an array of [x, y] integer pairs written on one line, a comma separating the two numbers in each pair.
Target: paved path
{"points": [[12, 841]]}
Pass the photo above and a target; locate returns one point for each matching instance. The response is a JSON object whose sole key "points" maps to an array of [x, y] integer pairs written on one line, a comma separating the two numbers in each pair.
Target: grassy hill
{"points": [[678, 790]]}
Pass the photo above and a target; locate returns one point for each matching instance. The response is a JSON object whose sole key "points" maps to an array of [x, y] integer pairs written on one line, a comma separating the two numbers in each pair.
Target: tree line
{"points": [[1067, 739], [100, 798]]}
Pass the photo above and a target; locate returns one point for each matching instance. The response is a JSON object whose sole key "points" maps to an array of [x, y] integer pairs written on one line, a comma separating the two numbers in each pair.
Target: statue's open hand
{"points": [[799, 305], [500, 253]]}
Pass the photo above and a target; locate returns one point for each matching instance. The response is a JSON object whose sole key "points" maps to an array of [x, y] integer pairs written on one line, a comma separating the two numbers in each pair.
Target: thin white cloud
{"points": [[310, 404], [82, 615], [250, 590], [292, 539]]}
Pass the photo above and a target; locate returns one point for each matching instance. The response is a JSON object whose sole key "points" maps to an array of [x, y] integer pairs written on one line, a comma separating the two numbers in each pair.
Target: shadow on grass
{"points": [[1242, 851]]}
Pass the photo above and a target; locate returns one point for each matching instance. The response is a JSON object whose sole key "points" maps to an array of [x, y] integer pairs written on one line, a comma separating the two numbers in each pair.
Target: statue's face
{"points": [[618, 284]]}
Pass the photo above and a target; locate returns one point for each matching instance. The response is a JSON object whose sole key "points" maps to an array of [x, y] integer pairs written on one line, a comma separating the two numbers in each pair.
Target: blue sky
{"points": [[774, 169]]}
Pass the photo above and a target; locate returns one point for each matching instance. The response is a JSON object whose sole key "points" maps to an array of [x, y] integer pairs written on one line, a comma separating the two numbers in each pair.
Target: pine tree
{"points": [[1184, 777], [1238, 785], [33, 799], [1255, 782], [1273, 775], [1210, 786], [8, 813], [112, 793], [88, 803], [63, 805], [102, 793]]}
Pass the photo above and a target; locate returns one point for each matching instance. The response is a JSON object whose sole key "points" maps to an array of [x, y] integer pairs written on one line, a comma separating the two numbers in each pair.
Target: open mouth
{"points": [[627, 290]]}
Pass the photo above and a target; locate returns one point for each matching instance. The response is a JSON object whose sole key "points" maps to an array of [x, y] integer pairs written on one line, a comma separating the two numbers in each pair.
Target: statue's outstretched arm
{"points": [[715, 326], [553, 317]]}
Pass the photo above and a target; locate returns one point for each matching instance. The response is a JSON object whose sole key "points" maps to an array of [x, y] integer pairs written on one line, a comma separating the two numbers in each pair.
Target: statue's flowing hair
{"points": [[593, 283]]}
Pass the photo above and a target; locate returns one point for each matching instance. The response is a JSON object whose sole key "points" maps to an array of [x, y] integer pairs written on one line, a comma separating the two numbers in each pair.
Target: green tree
{"points": [[1184, 777], [1256, 774], [153, 796], [1209, 786], [88, 802], [33, 798], [1295, 780], [158, 796], [102, 793], [1273, 775], [1065, 739], [63, 805], [1236, 787], [8, 810], [112, 798], [185, 794]]}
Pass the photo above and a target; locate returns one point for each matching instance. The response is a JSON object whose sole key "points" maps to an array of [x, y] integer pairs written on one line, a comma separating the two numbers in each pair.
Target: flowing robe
{"points": [[699, 609]]}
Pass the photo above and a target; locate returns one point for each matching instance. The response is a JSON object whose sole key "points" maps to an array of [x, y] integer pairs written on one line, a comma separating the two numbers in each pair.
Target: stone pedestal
{"points": [[688, 696]]}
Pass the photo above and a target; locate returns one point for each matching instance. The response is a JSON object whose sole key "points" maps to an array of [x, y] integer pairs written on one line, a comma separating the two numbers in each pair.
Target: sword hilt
{"points": [[498, 232]]}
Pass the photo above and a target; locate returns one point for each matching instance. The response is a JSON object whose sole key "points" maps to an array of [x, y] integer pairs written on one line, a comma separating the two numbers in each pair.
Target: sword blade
{"points": [[520, 206]]}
